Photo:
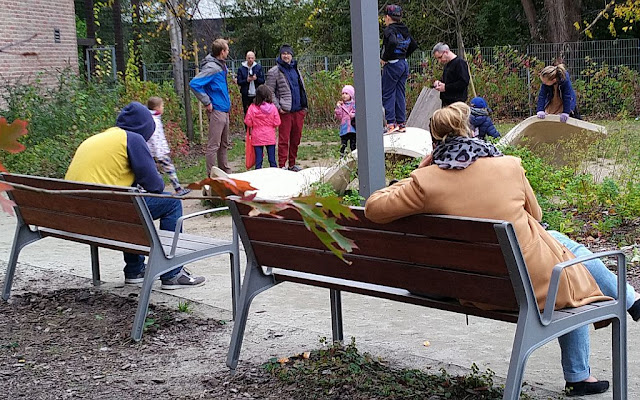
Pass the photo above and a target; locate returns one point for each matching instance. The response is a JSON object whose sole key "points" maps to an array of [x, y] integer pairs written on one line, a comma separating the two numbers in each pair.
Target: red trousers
{"points": [[289, 135]]}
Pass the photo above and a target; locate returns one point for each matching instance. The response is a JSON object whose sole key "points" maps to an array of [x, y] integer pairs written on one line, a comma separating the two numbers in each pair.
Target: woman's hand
{"points": [[564, 117], [541, 114], [428, 160]]}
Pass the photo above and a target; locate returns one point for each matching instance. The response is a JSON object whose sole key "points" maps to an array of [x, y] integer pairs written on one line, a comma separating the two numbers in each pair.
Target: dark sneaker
{"points": [[183, 192], [402, 128], [585, 388], [134, 279], [295, 168], [184, 279]]}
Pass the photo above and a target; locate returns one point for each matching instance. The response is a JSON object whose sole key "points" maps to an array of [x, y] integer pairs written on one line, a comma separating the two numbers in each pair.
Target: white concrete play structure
{"points": [[277, 183]]}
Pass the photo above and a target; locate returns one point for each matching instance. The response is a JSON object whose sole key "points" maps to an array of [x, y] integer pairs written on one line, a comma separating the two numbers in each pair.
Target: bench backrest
{"points": [[103, 215], [425, 254]]}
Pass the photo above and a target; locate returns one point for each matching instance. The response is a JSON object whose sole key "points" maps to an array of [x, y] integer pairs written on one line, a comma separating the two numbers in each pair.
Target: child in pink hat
{"points": [[346, 113]]}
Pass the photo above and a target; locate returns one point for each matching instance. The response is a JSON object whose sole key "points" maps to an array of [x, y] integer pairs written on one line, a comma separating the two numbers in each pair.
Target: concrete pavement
{"points": [[291, 318]]}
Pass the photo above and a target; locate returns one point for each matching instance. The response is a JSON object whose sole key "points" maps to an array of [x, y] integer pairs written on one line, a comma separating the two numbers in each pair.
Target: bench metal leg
{"points": [[519, 355], [143, 306], [235, 270], [254, 282], [619, 358], [95, 265], [23, 237], [336, 315]]}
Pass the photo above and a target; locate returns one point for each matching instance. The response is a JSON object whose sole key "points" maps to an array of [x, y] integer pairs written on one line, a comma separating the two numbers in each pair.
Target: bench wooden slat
{"points": [[114, 230], [435, 226], [390, 293], [57, 184], [418, 279], [414, 249], [108, 209]]}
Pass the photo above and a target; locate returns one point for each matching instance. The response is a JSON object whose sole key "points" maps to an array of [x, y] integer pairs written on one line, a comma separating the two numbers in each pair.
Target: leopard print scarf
{"points": [[459, 152]]}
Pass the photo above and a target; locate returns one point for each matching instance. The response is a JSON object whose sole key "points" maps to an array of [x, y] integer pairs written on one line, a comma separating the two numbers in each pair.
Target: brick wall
{"points": [[40, 56]]}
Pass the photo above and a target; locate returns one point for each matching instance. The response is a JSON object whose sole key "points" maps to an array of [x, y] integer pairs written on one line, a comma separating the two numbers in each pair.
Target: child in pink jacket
{"points": [[262, 119], [345, 113]]}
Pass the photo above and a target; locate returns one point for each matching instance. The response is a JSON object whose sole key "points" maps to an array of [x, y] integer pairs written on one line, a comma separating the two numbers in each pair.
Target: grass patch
{"points": [[344, 371]]}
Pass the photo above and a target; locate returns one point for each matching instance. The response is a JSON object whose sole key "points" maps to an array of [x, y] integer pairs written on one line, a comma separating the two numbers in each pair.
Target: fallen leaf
{"points": [[283, 360], [9, 134], [306, 355], [426, 343]]}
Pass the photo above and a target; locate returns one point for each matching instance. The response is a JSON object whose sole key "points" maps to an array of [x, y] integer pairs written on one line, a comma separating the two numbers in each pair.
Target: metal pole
{"points": [[113, 66], [88, 61], [366, 55]]}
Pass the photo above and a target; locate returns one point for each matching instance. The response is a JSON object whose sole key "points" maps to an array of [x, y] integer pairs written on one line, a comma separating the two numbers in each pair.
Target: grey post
{"points": [[366, 52]]}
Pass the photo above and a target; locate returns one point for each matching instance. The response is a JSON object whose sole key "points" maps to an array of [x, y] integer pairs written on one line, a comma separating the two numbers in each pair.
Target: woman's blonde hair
{"points": [[452, 120], [557, 72]]}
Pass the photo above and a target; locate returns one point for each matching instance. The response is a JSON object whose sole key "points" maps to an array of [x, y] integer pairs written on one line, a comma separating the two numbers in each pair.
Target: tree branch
{"points": [[600, 15], [19, 42]]}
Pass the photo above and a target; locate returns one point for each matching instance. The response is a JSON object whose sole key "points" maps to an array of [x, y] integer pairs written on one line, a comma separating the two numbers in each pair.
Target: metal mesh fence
{"points": [[514, 68]]}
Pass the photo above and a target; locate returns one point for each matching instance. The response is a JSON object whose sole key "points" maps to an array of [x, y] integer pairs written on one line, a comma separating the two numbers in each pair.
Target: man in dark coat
{"points": [[249, 77]]}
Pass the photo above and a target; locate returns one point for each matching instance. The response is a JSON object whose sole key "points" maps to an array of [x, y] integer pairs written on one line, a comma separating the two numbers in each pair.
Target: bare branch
{"points": [[129, 194], [600, 15], [19, 42]]}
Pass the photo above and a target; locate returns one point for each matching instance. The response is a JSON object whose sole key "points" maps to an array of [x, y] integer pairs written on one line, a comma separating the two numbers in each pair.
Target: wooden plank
{"points": [[435, 226], [71, 204], [483, 258], [114, 230], [497, 291], [396, 294], [60, 184]]}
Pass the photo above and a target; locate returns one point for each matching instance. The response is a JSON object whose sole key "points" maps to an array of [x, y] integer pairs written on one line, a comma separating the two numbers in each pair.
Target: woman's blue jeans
{"points": [[574, 346]]}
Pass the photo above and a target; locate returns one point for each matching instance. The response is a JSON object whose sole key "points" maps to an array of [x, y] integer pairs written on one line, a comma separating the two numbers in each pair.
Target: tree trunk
{"points": [[137, 37], [117, 29], [562, 15], [176, 47], [185, 76], [530, 13], [91, 22]]}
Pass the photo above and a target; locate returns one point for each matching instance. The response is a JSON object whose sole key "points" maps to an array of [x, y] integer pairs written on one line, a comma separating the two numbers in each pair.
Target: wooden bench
{"points": [[442, 257], [113, 221]]}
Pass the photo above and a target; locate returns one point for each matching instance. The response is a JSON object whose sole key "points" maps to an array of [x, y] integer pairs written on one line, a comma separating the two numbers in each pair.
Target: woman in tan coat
{"points": [[468, 177]]}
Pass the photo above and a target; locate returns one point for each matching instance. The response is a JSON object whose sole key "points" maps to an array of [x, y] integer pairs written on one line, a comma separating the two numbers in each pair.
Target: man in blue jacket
{"points": [[210, 87], [120, 156]]}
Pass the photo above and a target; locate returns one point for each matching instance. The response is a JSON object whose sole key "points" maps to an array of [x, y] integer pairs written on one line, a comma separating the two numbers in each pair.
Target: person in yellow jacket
{"points": [[120, 156]]}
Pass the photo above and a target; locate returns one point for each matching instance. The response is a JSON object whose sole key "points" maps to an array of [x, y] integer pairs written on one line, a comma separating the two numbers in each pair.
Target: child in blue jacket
{"points": [[556, 93], [480, 119]]}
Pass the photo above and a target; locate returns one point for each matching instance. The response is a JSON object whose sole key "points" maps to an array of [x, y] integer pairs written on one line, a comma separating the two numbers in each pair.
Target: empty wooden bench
{"points": [[113, 221], [443, 258]]}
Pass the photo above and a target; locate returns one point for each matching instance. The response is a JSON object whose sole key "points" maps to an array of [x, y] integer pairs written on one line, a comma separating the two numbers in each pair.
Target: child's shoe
{"points": [[402, 127], [183, 192], [390, 128]]}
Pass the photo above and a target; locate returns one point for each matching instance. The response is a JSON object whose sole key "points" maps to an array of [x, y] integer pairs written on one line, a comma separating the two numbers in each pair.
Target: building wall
{"points": [[40, 56]]}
